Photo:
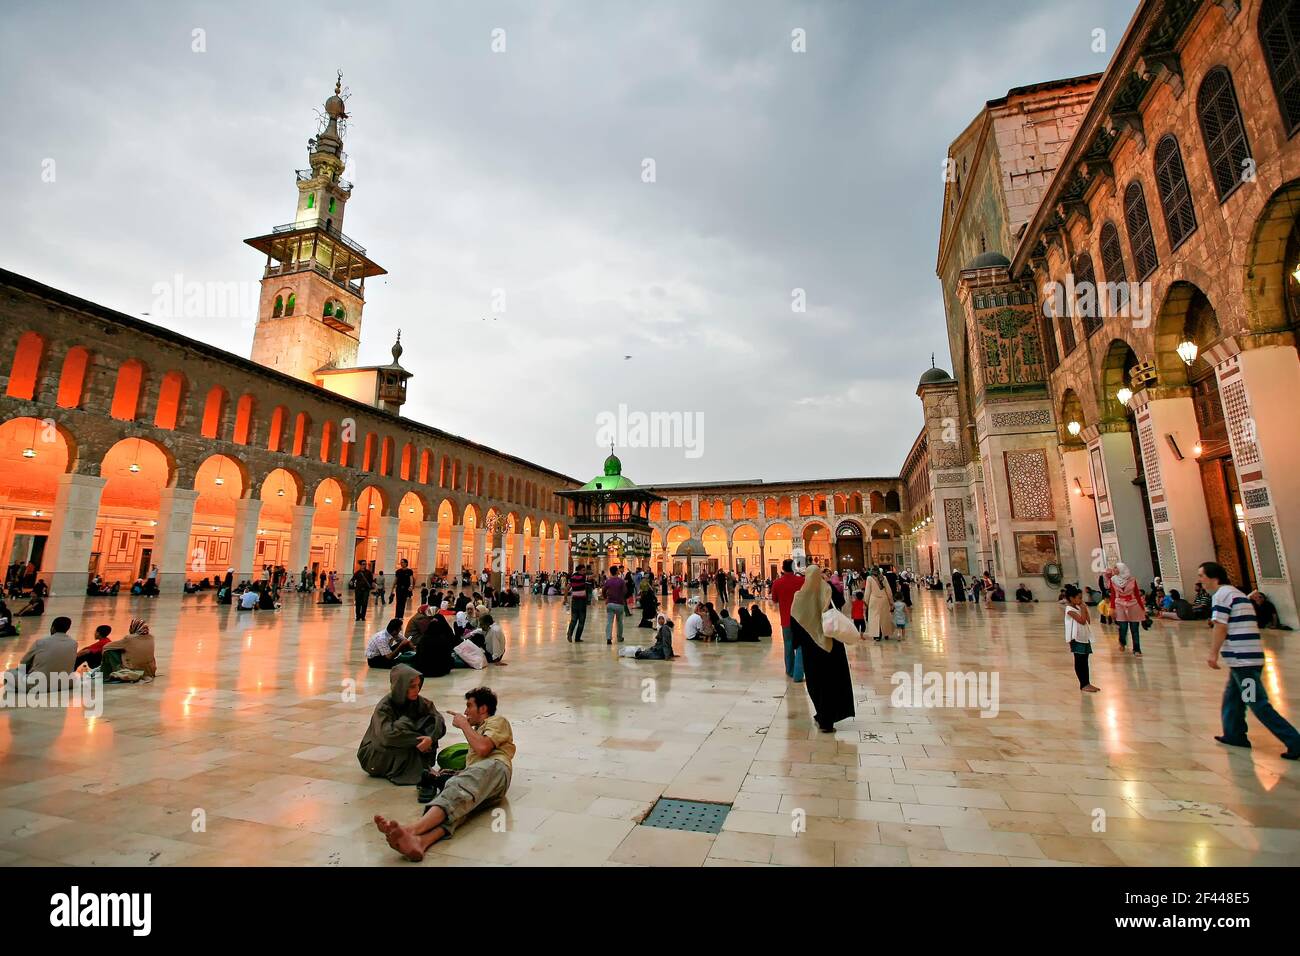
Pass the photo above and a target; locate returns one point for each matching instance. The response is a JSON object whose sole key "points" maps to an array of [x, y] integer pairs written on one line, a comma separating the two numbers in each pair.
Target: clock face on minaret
{"points": [[313, 285]]}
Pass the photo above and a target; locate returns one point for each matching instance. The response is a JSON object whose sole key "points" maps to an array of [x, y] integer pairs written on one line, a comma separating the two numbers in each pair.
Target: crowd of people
{"points": [[128, 660]]}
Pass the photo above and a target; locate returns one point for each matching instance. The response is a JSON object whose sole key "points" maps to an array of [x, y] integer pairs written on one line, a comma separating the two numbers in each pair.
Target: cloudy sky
{"points": [[522, 171]]}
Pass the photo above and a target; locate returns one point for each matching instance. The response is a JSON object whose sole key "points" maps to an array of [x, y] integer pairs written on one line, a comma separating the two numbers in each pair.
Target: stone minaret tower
{"points": [[313, 288]]}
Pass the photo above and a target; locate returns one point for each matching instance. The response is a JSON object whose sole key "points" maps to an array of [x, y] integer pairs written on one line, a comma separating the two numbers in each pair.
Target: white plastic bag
{"points": [[471, 654], [838, 626]]}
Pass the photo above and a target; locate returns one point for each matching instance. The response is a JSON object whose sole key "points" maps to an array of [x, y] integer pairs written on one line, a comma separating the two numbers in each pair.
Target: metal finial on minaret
{"points": [[338, 84], [932, 365]]}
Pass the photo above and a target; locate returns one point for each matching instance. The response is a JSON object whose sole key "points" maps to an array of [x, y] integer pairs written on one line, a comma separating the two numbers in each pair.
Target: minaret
{"points": [[313, 287]]}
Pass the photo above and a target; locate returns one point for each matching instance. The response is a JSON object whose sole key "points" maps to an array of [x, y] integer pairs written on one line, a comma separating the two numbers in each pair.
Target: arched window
{"points": [[72, 380], [311, 200], [301, 430], [1112, 268], [329, 308], [331, 205], [214, 407], [1086, 300], [326, 441], [1175, 197], [279, 307], [1049, 341], [1141, 242], [1279, 35], [126, 395], [170, 395], [275, 436], [288, 306], [244, 420], [1225, 136], [26, 367]]}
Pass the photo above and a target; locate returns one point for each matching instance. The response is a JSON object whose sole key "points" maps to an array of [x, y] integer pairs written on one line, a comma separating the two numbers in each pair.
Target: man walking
{"points": [[404, 587], [363, 583], [784, 589], [615, 604], [578, 596], [1236, 638]]}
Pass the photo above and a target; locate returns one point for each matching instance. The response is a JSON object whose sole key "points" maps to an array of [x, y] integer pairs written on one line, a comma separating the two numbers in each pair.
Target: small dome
{"points": [[935, 376], [691, 547], [987, 260], [334, 106], [613, 467]]}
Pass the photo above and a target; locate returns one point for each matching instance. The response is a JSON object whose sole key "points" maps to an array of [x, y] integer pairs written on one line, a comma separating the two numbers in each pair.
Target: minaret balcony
{"points": [[323, 227], [311, 265]]}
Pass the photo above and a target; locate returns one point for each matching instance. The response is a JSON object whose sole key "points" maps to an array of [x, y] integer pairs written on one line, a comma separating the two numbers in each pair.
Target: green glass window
{"points": [[279, 307], [331, 205], [311, 200], [329, 308], [288, 308]]}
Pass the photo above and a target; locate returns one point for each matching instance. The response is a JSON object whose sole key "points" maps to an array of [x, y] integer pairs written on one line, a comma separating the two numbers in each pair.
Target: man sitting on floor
{"points": [[388, 647], [486, 777]]}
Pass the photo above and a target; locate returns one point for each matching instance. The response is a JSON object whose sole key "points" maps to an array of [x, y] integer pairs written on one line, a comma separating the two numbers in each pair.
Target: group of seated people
{"points": [[1024, 595], [35, 605], [97, 588], [705, 623], [440, 636], [258, 596], [127, 660]]}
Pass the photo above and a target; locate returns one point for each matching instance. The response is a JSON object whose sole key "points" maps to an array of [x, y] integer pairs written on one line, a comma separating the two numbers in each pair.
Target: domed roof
{"points": [[691, 547], [935, 376], [987, 260], [613, 467]]}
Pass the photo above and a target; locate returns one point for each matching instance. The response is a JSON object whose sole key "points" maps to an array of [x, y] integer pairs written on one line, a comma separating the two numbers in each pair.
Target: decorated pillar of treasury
{"points": [[534, 554], [1259, 379], [386, 550], [65, 565], [300, 538], [345, 555], [1085, 538], [243, 540], [1168, 433], [456, 553], [171, 541], [480, 548], [428, 556], [1118, 501]]}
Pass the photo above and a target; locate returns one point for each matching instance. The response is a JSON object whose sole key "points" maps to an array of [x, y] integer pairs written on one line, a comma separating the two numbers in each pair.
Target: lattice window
{"points": [[1141, 241], [1279, 35], [1150, 460], [1086, 299], [1241, 427], [1167, 553], [1030, 487], [954, 519], [1112, 268], [1225, 136], [1175, 196], [1255, 498]]}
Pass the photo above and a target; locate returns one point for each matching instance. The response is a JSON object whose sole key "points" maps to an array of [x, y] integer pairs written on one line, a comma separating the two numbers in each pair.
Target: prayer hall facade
{"points": [[1121, 276]]}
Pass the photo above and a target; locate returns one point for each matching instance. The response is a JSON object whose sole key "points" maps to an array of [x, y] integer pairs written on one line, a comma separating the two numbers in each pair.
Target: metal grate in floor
{"points": [[689, 815]]}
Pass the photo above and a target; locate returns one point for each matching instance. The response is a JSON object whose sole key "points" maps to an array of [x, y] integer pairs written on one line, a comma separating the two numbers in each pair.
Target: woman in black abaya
{"points": [[825, 663]]}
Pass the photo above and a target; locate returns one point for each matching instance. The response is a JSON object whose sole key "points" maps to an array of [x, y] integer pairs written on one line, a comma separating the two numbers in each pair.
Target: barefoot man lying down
{"points": [[486, 777]]}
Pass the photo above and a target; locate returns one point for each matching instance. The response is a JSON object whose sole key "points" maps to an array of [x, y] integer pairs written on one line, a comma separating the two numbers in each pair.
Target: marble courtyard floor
{"points": [[247, 730]]}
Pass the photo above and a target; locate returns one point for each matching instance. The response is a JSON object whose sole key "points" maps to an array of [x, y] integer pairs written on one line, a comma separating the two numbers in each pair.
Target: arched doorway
{"points": [[34, 455], [327, 552], [1117, 374], [778, 546], [745, 550], [817, 544], [886, 543], [849, 552], [714, 538]]}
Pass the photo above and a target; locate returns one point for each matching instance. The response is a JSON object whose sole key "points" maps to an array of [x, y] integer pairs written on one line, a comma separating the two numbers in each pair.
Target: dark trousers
{"points": [[1135, 628], [578, 619], [1246, 689], [1081, 670], [402, 597], [363, 603]]}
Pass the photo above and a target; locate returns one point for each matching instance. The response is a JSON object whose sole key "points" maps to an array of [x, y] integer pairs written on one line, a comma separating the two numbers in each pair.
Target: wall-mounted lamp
{"points": [[1173, 444], [1073, 428], [1079, 492], [1196, 450], [1187, 351], [1124, 395]]}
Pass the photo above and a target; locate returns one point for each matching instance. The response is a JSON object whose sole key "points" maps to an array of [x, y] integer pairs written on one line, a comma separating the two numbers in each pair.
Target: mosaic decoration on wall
{"points": [[1241, 427], [954, 520], [1034, 551], [1108, 527], [1160, 515], [1032, 416], [1255, 498], [1009, 349], [1150, 460], [1027, 479], [1167, 553]]}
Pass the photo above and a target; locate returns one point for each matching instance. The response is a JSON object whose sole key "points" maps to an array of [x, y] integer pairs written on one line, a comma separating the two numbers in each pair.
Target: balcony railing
{"points": [[305, 265], [304, 175], [329, 231]]}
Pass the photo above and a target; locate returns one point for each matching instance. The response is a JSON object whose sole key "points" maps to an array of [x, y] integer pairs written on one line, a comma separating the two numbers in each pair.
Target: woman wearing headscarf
{"points": [[662, 650], [746, 624], [433, 653], [837, 591], [758, 620], [880, 607], [649, 603], [958, 587], [1127, 605], [402, 739], [825, 663], [418, 624]]}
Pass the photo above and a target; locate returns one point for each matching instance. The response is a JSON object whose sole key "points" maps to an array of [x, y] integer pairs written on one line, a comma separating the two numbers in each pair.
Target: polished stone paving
{"points": [[243, 751]]}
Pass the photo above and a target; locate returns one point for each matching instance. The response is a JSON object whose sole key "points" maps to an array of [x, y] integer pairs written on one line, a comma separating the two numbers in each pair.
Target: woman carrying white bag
{"points": [[822, 631]]}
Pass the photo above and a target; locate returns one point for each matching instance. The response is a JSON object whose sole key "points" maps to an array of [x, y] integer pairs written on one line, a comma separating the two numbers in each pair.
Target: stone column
{"points": [[7, 523], [519, 551], [171, 541], [345, 556], [1118, 500], [1088, 554], [386, 552], [300, 539], [534, 554], [1174, 491], [456, 554], [562, 555], [243, 542], [428, 556], [479, 549], [72, 533], [547, 560]]}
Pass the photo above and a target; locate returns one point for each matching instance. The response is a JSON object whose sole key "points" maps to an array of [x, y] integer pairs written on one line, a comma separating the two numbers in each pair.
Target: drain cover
{"points": [[690, 815]]}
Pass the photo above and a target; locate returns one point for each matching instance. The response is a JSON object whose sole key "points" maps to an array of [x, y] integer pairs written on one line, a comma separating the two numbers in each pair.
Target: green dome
{"points": [[613, 467]]}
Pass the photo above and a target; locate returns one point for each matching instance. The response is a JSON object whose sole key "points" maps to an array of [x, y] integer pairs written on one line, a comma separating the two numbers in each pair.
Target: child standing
{"points": [[900, 618], [859, 614], [1079, 634]]}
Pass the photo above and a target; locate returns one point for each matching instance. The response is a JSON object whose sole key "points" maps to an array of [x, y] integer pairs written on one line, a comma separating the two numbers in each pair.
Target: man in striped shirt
{"points": [[1236, 636]]}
